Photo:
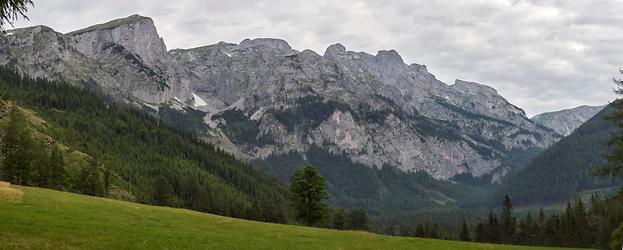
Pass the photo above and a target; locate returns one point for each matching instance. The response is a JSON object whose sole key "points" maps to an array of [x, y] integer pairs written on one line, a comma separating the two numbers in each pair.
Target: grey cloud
{"points": [[541, 55]]}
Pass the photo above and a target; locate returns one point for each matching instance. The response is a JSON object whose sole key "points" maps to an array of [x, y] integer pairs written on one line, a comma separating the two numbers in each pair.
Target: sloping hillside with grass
{"points": [[111, 150], [34, 218]]}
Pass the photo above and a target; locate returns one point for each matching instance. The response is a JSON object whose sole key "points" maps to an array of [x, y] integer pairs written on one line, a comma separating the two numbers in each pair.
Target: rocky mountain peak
{"points": [[270, 43], [137, 34], [389, 57], [334, 50], [133, 19]]}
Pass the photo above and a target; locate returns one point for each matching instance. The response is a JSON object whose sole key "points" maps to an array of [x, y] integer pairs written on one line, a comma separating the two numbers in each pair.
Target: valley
{"points": [[59, 220], [110, 139]]}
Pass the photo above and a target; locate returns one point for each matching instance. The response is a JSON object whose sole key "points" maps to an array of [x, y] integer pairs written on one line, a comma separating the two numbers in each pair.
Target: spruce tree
{"points": [[18, 149], [493, 228], [480, 233], [12, 10], [464, 236], [614, 161], [339, 219], [581, 227], [614, 165], [540, 238], [57, 168], [91, 179], [358, 219], [507, 230], [420, 231]]}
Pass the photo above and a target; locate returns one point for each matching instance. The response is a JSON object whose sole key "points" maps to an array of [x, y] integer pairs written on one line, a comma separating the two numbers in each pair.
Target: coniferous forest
{"points": [[68, 138]]}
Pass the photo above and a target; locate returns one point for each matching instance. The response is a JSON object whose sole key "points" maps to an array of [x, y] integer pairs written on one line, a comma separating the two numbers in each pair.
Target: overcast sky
{"points": [[540, 55]]}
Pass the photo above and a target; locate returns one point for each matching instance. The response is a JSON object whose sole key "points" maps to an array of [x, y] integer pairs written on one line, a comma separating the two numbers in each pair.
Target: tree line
{"points": [[578, 225]]}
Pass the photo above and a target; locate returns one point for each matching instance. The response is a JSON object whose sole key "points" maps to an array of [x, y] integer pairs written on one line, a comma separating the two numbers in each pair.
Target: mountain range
{"points": [[371, 120]]}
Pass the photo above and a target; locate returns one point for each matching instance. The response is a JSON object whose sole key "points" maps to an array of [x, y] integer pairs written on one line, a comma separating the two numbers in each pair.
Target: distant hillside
{"points": [[46, 219], [566, 121], [565, 169], [384, 191], [143, 159]]}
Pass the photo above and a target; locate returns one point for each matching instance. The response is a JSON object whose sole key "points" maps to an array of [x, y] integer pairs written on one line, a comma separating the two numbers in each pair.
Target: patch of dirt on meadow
{"points": [[10, 194]]}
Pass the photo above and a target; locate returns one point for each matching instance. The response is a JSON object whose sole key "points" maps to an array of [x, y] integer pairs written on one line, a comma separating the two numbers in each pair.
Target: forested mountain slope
{"points": [[125, 153], [565, 169]]}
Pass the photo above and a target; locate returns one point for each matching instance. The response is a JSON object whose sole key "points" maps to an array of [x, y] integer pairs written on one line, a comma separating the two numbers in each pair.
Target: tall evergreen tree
{"points": [[540, 238], [91, 179], [492, 231], [581, 228], [508, 223], [614, 165], [57, 168], [420, 231], [307, 191], [480, 233], [18, 149], [339, 219], [358, 219], [11, 10], [464, 236]]}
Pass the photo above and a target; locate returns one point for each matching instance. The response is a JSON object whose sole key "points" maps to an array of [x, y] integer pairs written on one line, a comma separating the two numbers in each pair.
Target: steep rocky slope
{"points": [[566, 121], [261, 98]]}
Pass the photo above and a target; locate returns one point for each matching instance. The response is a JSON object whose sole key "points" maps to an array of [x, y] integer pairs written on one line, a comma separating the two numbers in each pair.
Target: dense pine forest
{"points": [[69, 138], [567, 167], [592, 224]]}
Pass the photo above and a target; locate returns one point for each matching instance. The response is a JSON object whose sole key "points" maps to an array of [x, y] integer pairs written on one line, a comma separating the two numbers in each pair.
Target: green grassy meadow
{"points": [[33, 218]]}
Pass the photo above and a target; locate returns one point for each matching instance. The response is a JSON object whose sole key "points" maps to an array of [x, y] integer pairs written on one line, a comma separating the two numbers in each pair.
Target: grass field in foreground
{"points": [[33, 218]]}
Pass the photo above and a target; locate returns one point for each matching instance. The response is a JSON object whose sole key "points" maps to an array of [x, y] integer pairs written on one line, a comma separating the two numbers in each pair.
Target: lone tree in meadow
{"points": [[307, 191], [11, 10]]}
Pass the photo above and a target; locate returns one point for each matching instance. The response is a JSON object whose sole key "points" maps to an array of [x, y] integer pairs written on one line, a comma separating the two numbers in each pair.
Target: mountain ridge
{"points": [[566, 121], [375, 109]]}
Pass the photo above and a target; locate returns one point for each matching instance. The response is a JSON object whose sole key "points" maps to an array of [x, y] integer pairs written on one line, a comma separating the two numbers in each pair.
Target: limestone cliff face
{"points": [[374, 108], [125, 57], [261, 97], [566, 121]]}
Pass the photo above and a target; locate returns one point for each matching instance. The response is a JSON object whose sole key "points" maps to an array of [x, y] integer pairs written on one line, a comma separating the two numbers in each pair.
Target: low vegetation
{"points": [[57, 220]]}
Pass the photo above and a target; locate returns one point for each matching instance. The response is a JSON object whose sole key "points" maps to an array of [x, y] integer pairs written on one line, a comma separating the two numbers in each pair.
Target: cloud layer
{"points": [[540, 55]]}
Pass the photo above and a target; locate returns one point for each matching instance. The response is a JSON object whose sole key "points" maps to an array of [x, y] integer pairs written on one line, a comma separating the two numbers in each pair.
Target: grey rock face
{"points": [[125, 57], [261, 97], [566, 121], [419, 124]]}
